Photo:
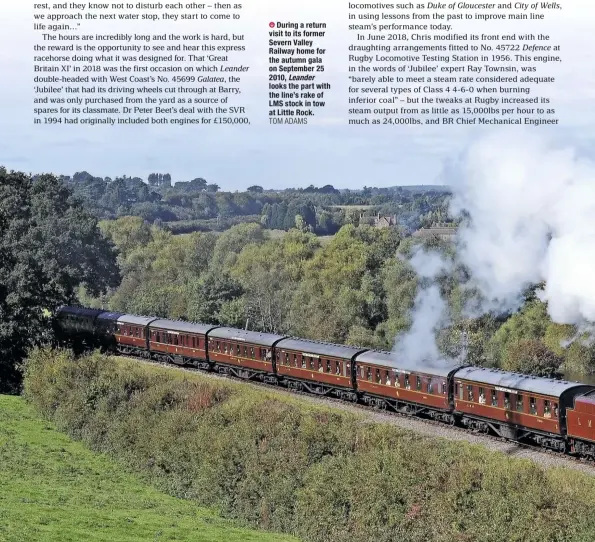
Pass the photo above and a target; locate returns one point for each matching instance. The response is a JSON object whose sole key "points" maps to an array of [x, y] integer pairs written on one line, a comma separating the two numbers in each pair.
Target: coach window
{"points": [[387, 378], [176, 340], [338, 366], [494, 398], [311, 363], [418, 383], [532, 405], [378, 379], [369, 375], [469, 393], [547, 413], [238, 350], [225, 348], [443, 388], [397, 380], [328, 367], [506, 400], [407, 385], [252, 352], [519, 403], [555, 409], [430, 387], [245, 351]]}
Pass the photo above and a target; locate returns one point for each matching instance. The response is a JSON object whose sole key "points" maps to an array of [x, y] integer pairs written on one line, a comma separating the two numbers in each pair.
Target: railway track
{"points": [[423, 426]]}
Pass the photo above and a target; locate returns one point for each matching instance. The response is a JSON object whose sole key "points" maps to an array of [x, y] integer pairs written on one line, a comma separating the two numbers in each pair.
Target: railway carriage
{"points": [[129, 332], [515, 406], [182, 343], [317, 367], [245, 354], [411, 388], [552, 413], [580, 425]]}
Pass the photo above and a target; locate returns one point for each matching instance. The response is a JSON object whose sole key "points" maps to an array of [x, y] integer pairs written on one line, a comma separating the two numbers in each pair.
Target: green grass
{"points": [[54, 489]]}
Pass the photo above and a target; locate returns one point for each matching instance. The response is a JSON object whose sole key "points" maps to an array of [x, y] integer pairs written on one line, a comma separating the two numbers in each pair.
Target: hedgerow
{"points": [[281, 464]]}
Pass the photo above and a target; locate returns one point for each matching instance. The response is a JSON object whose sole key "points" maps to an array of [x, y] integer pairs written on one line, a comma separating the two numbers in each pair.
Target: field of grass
{"points": [[54, 489]]}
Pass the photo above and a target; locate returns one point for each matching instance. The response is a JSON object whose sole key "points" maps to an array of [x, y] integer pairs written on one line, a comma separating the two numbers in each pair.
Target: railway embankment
{"points": [[288, 465]]}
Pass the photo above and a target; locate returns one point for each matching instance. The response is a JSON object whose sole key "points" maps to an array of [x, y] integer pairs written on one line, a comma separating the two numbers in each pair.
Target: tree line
{"points": [[197, 205]]}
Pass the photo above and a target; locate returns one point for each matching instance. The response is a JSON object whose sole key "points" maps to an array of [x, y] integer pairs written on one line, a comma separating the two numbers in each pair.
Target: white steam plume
{"points": [[430, 310], [531, 209]]}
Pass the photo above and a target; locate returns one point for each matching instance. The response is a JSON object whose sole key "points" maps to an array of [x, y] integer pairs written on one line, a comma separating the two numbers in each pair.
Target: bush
{"points": [[278, 463]]}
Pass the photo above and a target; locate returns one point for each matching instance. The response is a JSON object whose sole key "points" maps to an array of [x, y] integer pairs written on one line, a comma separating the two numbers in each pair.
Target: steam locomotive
{"points": [[554, 414]]}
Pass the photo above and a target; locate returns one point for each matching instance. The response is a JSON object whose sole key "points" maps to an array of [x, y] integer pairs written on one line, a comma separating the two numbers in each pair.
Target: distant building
{"points": [[383, 221], [443, 231]]}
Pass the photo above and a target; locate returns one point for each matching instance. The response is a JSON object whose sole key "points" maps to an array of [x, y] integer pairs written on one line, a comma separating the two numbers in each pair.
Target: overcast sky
{"points": [[328, 151]]}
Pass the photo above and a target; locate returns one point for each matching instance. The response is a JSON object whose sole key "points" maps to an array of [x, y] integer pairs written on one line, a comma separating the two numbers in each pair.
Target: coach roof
{"points": [[516, 381], [135, 320], [242, 335], [110, 315], [390, 359], [181, 326], [319, 348]]}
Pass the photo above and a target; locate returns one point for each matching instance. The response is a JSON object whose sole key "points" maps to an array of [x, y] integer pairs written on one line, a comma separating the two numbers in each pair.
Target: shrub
{"points": [[278, 463]]}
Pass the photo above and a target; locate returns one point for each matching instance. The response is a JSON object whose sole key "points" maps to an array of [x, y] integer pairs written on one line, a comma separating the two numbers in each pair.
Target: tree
{"points": [[256, 189], [127, 233], [531, 356], [212, 188], [198, 184], [210, 295], [50, 246]]}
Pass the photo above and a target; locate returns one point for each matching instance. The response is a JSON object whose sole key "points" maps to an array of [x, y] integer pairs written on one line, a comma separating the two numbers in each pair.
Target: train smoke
{"points": [[430, 310], [530, 207]]}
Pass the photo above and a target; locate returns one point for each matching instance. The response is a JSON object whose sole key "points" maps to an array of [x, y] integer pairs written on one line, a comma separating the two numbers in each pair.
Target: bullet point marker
{"points": [[272, 25]]}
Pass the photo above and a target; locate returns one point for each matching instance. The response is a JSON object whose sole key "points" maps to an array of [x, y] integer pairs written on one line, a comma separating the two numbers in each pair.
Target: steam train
{"points": [[553, 414]]}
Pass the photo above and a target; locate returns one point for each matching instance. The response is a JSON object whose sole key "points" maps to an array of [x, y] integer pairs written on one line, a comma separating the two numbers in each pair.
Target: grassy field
{"points": [[54, 489]]}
